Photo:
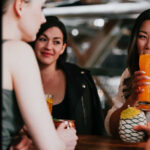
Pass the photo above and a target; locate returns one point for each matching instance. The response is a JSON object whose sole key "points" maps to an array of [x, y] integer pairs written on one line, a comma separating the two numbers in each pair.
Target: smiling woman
{"points": [[72, 87], [50, 46], [133, 80]]}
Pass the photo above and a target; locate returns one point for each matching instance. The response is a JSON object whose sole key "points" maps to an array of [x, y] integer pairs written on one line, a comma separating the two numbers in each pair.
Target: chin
{"points": [[46, 63], [29, 38]]}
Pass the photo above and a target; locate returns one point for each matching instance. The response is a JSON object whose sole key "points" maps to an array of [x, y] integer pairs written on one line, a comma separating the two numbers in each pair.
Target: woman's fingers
{"points": [[143, 128], [140, 72], [148, 145], [24, 144], [63, 125], [138, 82], [68, 135]]}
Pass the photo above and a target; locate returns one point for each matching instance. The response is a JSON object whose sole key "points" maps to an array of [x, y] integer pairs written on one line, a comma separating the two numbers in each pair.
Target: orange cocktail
{"points": [[69, 123], [143, 101], [49, 100]]}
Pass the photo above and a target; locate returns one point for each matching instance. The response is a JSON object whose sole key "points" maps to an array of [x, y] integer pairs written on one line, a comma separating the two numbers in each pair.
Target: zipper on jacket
{"points": [[83, 108]]}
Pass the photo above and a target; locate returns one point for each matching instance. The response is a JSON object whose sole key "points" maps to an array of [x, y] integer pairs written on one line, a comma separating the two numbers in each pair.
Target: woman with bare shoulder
{"points": [[23, 98]]}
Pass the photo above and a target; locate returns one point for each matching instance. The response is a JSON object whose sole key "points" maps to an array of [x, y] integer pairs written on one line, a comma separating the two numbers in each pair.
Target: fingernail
{"points": [[147, 77], [147, 83], [66, 123]]}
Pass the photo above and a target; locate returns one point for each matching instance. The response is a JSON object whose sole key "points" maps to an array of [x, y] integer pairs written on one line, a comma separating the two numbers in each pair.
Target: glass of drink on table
{"points": [[49, 100]]}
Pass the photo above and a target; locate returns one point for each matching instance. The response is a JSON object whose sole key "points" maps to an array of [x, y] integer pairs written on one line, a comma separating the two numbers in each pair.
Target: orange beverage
{"points": [[49, 100], [69, 123], [143, 101]]}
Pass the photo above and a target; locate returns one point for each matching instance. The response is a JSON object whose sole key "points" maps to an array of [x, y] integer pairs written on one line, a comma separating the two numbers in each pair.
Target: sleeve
{"points": [[98, 117], [97, 113], [118, 101]]}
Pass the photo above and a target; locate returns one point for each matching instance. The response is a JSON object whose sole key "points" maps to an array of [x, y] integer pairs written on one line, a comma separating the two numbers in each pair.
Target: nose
{"points": [[49, 45], [43, 19], [148, 44]]}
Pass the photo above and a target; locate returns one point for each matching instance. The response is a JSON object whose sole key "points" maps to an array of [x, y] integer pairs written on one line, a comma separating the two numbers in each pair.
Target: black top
{"points": [[60, 111]]}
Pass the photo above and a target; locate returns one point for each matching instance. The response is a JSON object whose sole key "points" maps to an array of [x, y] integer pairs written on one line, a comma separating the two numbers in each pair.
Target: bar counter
{"points": [[92, 142]]}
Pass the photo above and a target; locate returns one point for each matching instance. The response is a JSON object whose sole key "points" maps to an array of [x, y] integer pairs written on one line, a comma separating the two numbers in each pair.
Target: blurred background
{"points": [[98, 37]]}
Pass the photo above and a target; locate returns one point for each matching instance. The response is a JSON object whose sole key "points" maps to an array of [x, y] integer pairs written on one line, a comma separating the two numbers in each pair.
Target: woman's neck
{"points": [[47, 72], [10, 29], [54, 82]]}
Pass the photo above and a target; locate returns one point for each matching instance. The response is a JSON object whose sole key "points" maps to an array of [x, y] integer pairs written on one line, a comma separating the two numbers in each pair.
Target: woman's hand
{"points": [[68, 135], [147, 130], [22, 141], [143, 128], [24, 144], [137, 83], [148, 145]]}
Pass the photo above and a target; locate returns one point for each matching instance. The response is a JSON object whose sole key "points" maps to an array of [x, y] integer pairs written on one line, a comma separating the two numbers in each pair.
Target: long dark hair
{"points": [[53, 21], [133, 54]]}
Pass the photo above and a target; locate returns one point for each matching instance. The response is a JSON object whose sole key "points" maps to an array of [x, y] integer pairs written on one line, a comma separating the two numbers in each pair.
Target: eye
{"points": [[42, 39], [57, 42], [142, 36]]}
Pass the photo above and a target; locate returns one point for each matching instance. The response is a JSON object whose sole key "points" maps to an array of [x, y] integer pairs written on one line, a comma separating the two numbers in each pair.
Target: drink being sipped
{"points": [[49, 100], [143, 101]]}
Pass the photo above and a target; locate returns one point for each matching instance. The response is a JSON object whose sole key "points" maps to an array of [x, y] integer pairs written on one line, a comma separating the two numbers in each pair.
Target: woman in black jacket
{"points": [[74, 93]]}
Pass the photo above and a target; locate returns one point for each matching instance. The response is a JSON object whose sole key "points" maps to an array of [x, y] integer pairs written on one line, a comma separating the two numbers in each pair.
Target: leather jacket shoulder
{"points": [[83, 100]]}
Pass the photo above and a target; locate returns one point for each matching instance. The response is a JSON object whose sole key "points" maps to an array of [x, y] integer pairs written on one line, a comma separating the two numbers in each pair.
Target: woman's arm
{"points": [[24, 141], [147, 130], [27, 84], [118, 102]]}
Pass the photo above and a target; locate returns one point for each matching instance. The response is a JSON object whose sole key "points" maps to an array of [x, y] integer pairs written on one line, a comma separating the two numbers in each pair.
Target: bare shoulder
{"points": [[17, 55], [18, 48]]}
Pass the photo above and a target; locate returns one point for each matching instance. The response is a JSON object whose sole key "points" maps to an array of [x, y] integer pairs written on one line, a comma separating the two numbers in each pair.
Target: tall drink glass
{"points": [[49, 100], [143, 101]]}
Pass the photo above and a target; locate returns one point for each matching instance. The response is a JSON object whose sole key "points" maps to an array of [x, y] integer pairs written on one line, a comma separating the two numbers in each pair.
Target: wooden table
{"points": [[91, 142]]}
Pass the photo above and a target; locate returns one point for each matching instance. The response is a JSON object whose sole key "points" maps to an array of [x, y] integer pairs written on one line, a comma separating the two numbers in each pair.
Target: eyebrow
{"points": [[44, 35], [143, 32], [56, 38]]}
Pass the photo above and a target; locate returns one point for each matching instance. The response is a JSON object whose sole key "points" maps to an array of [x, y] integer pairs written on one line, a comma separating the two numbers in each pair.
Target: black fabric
{"points": [[83, 101], [60, 111]]}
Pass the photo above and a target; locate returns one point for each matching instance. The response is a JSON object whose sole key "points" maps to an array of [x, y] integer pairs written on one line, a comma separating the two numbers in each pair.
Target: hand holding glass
{"points": [[143, 101]]}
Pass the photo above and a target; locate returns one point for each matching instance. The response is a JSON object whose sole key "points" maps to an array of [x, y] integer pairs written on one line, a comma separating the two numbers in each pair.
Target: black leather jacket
{"points": [[84, 103]]}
